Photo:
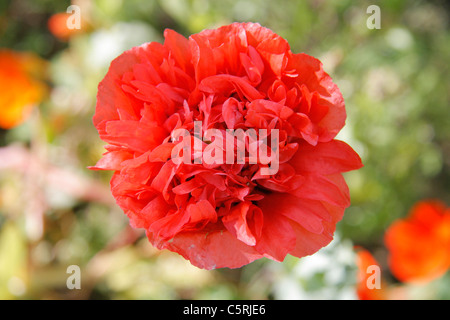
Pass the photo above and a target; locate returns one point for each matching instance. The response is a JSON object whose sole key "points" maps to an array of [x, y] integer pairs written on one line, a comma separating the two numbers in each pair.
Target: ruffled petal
{"points": [[331, 189], [211, 249], [326, 158], [179, 48], [245, 222], [277, 236], [112, 160]]}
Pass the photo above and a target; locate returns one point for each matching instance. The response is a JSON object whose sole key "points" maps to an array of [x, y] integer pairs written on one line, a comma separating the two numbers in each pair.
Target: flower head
{"points": [[225, 214], [419, 245], [20, 88]]}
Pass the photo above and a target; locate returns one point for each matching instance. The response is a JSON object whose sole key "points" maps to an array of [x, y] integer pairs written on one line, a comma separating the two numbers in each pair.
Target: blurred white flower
{"points": [[107, 44], [329, 274]]}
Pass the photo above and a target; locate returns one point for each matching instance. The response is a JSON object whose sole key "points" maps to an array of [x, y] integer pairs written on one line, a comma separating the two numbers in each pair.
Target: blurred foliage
{"points": [[54, 212]]}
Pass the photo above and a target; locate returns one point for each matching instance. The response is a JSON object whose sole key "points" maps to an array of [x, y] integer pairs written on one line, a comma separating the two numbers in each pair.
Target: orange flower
{"points": [[367, 269], [20, 90], [420, 244], [57, 24]]}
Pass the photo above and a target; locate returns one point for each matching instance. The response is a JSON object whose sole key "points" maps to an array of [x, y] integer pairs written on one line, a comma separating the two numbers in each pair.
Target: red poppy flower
{"points": [[419, 245], [240, 76]]}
